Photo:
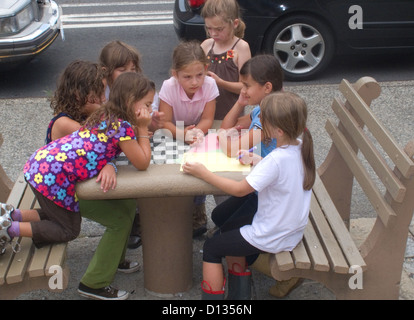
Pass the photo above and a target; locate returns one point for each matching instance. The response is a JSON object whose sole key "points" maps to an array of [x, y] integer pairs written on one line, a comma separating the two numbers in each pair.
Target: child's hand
{"points": [[107, 176], [158, 119], [214, 76], [143, 118], [194, 168], [248, 158], [198, 136], [239, 128], [243, 100], [193, 135]]}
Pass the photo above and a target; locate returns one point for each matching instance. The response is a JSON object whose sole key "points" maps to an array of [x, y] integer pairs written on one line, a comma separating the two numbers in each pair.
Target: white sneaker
{"points": [[5, 223], [129, 266], [6, 209], [106, 293]]}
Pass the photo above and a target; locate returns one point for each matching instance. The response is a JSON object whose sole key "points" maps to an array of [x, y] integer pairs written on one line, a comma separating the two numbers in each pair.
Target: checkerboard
{"points": [[165, 150]]}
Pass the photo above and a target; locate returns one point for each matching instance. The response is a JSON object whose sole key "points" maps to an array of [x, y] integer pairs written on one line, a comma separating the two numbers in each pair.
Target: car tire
{"points": [[304, 46]]}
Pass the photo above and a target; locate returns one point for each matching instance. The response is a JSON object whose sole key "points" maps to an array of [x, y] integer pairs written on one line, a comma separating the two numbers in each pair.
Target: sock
{"points": [[17, 215], [14, 229]]}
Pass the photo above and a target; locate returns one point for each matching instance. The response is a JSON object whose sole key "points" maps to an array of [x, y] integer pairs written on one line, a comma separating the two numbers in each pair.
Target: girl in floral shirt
{"points": [[121, 125]]}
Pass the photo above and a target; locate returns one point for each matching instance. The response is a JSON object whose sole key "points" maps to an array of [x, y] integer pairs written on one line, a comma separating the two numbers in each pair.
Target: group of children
{"points": [[104, 109]]}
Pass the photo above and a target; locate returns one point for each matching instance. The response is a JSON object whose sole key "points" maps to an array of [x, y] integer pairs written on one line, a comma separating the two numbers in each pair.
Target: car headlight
{"points": [[18, 22]]}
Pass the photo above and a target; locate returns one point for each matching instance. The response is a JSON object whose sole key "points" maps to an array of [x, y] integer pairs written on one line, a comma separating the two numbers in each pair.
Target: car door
{"points": [[373, 24]]}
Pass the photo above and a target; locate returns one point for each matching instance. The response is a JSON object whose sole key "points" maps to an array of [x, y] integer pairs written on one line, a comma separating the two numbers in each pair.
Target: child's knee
{"points": [[70, 234], [208, 252]]}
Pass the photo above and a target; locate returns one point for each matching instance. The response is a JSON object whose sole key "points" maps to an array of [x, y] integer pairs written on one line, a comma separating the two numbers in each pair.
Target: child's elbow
{"points": [[240, 193], [242, 188], [141, 165]]}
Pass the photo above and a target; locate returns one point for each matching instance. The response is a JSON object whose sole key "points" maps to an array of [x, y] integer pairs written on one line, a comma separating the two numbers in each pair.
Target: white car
{"points": [[27, 27]]}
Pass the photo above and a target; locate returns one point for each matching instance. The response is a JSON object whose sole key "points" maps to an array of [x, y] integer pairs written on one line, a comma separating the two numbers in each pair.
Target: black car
{"points": [[305, 34]]}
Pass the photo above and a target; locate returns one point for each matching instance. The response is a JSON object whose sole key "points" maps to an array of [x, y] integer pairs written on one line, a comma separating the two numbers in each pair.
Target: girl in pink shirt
{"points": [[188, 98]]}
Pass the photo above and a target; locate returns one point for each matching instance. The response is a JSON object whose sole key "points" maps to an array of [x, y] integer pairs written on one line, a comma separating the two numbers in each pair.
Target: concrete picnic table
{"points": [[165, 198]]}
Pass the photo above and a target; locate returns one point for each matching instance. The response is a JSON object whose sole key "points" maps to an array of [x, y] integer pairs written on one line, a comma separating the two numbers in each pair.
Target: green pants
{"points": [[117, 216]]}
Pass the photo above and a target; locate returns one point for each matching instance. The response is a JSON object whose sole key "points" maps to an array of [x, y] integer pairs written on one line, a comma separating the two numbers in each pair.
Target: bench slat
{"points": [[13, 199], [37, 266], [388, 143], [334, 252], [14, 265], [342, 235], [17, 191], [57, 256], [377, 162], [5, 261], [284, 261], [300, 256], [385, 212], [315, 249], [20, 262], [28, 199]]}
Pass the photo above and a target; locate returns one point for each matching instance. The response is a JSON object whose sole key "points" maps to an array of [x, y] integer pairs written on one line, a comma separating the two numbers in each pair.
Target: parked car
{"points": [[27, 27], [305, 34]]}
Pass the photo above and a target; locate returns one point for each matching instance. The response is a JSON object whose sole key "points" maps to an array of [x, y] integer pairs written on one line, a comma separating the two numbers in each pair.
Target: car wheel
{"points": [[303, 45]]}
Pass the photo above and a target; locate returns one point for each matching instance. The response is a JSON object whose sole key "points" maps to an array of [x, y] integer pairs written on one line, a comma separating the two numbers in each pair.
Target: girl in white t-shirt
{"points": [[283, 180]]}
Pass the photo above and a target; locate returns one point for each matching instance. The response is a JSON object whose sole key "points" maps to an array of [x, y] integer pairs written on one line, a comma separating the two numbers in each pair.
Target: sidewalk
{"points": [[393, 107]]}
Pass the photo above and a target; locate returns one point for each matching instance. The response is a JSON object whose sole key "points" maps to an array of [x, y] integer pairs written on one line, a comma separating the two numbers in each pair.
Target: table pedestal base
{"points": [[166, 231]]}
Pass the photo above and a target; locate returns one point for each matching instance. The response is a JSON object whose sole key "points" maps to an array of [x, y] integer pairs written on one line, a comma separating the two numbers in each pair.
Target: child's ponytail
{"points": [[239, 30], [308, 160]]}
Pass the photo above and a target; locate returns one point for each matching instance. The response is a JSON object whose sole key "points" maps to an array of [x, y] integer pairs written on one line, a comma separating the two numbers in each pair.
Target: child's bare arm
{"points": [[63, 127], [196, 134], [232, 187], [235, 117], [138, 151], [158, 120], [167, 110], [207, 118]]}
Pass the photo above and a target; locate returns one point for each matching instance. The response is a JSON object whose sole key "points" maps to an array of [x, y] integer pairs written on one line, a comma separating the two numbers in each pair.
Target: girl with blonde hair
{"points": [[225, 49]]}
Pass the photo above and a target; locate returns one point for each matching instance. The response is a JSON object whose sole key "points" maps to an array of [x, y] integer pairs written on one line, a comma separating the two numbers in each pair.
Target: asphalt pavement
{"points": [[24, 123]]}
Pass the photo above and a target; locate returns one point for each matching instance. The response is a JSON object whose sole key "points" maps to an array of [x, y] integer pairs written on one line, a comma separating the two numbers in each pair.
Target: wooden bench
{"points": [[28, 268], [327, 253]]}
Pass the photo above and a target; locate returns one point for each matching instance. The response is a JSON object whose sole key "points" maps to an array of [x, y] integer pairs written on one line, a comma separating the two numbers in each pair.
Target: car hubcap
{"points": [[299, 48]]}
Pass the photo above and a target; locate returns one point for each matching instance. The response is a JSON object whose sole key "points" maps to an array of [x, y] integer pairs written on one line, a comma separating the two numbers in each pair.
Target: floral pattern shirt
{"points": [[54, 169]]}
